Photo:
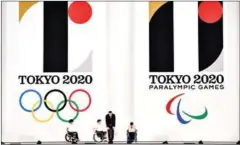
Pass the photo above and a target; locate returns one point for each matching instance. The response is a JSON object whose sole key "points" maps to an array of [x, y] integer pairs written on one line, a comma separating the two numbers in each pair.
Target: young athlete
{"points": [[100, 129], [71, 130], [131, 131]]}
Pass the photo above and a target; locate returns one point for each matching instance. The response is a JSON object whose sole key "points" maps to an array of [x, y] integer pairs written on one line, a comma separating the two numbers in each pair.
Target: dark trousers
{"points": [[74, 134], [110, 135], [101, 134], [132, 135]]}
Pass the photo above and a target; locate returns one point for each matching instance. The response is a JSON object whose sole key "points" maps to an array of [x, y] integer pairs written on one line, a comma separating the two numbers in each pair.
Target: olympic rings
{"points": [[33, 115], [58, 115], [89, 98], [27, 91], [64, 96], [51, 107]]}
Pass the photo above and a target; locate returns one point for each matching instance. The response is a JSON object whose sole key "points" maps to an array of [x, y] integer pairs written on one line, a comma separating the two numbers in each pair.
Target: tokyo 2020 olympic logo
{"points": [[49, 105], [178, 113]]}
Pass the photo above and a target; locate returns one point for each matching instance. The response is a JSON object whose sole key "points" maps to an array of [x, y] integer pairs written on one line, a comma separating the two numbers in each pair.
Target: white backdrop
{"points": [[222, 123], [118, 35]]}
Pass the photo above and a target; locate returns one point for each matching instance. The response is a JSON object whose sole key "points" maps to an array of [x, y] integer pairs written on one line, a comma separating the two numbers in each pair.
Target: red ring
{"points": [[89, 97]]}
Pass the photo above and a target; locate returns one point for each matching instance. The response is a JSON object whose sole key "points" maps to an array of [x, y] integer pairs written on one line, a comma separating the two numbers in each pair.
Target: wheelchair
{"points": [[130, 140], [71, 138], [98, 138]]}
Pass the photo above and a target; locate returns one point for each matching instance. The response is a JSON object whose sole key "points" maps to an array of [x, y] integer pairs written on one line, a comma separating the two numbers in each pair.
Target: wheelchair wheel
{"points": [[96, 138], [74, 140], [68, 138]]}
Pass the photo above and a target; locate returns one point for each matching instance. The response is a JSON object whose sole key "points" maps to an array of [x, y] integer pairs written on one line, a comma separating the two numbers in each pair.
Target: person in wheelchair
{"points": [[131, 133], [70, 129], [100, 130]]}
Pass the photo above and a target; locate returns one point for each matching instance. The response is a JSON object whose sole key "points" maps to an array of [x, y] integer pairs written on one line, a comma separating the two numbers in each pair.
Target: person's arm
{"points": [[128, 128], [106, 119], [67, 129], [95, 128], [114, 120]]}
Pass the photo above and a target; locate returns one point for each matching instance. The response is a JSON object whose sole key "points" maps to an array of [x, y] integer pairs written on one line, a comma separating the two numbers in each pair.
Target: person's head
{"points": [[70, 121], [131, 123], [99, 121], [110, 113]]}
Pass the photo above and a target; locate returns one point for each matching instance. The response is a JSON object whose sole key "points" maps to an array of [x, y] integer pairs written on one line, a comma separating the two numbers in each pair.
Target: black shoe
{"points": [[73, 142]]}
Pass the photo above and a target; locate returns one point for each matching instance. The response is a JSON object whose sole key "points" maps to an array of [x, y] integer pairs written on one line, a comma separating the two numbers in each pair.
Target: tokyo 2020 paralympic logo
{"points": [[49, 105], [179, 117]]}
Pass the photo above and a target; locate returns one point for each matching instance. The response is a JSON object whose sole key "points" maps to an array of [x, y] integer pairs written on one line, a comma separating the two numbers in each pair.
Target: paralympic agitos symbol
{"points": [[62, 104], [179, 117]]}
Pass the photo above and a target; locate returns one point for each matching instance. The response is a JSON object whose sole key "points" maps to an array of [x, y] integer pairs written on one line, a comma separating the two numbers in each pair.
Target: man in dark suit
{"points": [[110, 123]]}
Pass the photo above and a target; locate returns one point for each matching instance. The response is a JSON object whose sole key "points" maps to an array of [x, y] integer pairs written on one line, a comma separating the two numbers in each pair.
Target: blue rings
{"points": [[27, 91]]}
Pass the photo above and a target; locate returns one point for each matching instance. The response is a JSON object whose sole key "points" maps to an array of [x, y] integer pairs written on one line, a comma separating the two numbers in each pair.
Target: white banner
{"points": [[172, 68]]}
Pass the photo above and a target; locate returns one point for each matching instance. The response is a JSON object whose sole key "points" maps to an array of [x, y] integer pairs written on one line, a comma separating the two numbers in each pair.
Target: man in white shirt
{"points": [[70, 129], [100, 129]]}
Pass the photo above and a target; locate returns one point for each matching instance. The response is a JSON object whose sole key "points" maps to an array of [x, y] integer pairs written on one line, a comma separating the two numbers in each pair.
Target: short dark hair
{"points": [[131, 123], [110, 112], [71, 121], [99, 120]]}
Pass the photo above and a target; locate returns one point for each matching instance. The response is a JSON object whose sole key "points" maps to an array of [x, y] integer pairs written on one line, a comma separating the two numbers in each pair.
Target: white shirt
{"points": [[71, 128], [132, 129], [100, 127]]}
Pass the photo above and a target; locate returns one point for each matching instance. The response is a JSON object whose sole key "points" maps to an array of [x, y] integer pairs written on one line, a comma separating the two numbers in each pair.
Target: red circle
{"points": [[89, 98], [210, 12], [80, 12]]}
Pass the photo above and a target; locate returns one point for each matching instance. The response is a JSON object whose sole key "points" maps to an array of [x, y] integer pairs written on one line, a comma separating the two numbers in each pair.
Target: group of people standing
{"points": [[102, 131], [110, 120], [110, 124]]}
